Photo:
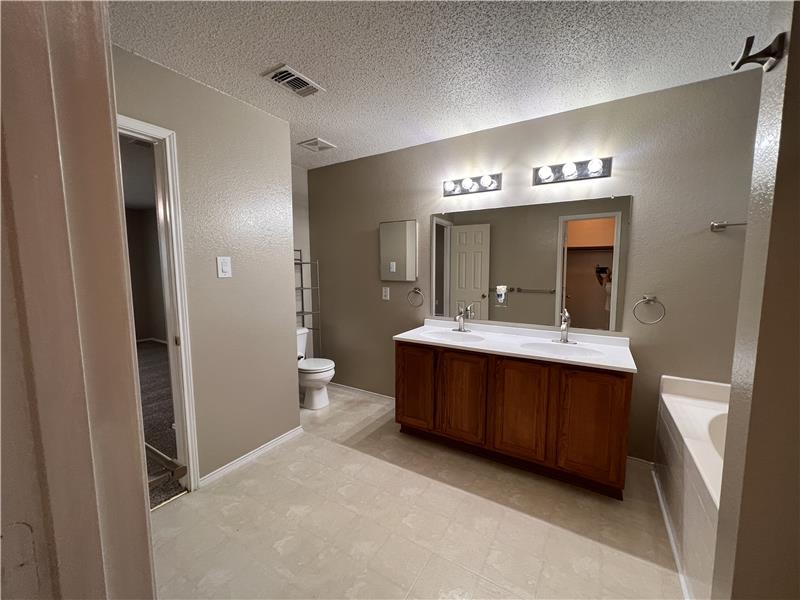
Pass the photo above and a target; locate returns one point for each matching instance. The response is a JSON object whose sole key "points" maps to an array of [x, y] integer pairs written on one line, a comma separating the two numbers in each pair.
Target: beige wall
{"points": [[73, 313], [145, 265], [524, 252], [235, 185], [27, 550], [758, 540], [684, 154]]}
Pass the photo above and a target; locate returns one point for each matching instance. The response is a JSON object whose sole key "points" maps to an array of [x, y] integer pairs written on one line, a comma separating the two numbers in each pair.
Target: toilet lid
{"points": [[315, 365]]}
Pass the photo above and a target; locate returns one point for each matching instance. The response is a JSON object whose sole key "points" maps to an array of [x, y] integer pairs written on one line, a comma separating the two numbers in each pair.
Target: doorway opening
{"points": [[587, 269], [158, 296]]}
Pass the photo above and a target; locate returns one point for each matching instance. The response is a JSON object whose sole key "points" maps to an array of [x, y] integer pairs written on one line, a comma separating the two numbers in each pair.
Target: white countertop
{"points": [[694, 405], [596, 351]]}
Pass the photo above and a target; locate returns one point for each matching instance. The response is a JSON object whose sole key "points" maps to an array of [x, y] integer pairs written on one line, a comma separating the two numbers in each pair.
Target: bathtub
{"points": [[690, 447]]}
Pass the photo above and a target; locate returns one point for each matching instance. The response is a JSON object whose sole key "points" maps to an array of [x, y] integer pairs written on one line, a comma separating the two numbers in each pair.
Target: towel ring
{"points": [[415, 294], [649, 299]]}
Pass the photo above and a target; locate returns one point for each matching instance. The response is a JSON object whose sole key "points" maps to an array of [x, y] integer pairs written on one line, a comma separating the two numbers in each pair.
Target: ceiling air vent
{"points": [[295, 82], [316, 145]]}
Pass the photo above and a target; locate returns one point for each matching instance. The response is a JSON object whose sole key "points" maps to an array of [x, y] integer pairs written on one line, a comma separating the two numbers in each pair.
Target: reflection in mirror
{"points": [[398, 241], [523, 264]]}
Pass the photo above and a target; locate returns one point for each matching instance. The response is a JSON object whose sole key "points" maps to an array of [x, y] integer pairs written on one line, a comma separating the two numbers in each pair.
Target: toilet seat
{"points": [[315, 365]]}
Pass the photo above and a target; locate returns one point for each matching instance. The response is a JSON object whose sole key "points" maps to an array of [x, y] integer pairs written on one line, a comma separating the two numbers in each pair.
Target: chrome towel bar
{"points": [[717, 226]]}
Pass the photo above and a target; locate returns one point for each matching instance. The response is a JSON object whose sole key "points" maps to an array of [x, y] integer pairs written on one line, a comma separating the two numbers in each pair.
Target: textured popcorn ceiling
{"points": [[399, 74]]}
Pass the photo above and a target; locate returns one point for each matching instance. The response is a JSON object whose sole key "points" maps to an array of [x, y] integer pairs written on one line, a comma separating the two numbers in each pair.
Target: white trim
{"points": [[649, 463], [560, 279], [151, 339], [671, 535], [446, 291], [252, 455], [350, 387], [171, 236]]}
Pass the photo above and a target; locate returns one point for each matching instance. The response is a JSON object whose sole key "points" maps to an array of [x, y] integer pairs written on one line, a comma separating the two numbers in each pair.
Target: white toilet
{"points": [[314, 373]]}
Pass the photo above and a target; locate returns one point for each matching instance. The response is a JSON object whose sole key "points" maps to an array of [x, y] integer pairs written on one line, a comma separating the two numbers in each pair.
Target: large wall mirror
{"points": [[523, 264]]}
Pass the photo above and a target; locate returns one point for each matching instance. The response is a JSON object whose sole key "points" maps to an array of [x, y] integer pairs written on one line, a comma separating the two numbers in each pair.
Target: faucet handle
{"points": [[469, 312], [565, 318]]}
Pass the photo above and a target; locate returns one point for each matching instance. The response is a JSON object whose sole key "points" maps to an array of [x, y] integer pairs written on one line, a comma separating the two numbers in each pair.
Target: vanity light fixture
{"points": [[471, 185], [545, 174], [573, 171]]}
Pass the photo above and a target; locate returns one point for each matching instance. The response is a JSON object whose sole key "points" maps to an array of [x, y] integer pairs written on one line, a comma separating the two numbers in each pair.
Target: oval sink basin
{"points": [[562, 350], [453, 336]]}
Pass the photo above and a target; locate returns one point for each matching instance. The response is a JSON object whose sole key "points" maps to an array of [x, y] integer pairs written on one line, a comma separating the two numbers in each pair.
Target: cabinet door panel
{"points": [[461, 395], [593, 424], [415, 373], [520, 401]]}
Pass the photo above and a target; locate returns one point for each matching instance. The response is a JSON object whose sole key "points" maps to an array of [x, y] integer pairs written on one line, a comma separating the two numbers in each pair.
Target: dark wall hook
{"points": [[767, 58]]}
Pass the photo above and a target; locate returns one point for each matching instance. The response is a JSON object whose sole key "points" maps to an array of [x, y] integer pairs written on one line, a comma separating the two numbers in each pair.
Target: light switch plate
{"points": [[392, 266], [224, 267], [385, 293]]}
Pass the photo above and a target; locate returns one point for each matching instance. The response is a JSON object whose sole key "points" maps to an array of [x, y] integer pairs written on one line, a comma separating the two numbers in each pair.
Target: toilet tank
{"points": [[302, 334]]}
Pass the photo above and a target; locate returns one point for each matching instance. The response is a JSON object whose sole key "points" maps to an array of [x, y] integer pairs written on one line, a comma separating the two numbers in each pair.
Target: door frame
{"points": [[561, 280], [446, 285], [173, 275]]}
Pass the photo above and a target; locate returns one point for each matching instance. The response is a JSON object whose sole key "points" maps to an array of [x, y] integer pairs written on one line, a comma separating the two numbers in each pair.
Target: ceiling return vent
{"points": [[316, 145], [297, 83]]}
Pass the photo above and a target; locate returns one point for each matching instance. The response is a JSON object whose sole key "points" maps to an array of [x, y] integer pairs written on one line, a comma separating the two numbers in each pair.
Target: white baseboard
{"points": [[671, 535], [649, 463], [350, 387], [253, 454], [152, 340]]}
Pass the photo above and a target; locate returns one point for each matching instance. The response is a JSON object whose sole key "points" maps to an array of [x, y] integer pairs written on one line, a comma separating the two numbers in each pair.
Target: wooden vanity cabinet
{"points": [[522, 407], [593, 411], [461, 382], [415, 375], [571, 422]]}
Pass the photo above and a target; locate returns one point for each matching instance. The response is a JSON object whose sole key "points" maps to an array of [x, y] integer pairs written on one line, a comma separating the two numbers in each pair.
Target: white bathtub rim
{"points": [[699, 389], [691, 415]]}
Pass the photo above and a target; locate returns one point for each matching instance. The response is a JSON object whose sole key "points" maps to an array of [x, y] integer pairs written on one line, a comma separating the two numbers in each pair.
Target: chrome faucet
{"points": [[565, 321], [463, 313]]}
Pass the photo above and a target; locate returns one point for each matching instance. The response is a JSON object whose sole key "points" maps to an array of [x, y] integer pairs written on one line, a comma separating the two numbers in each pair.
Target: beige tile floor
{"points": [[352, 508]]}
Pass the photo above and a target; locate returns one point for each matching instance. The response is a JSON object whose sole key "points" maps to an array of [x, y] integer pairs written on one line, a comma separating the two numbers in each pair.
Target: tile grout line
{"points": [[416, 579]]}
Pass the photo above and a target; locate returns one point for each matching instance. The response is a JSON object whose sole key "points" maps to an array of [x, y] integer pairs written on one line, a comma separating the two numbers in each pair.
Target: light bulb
{"points": [[487, 182], [467, 184], [569, 170], [545, 173], [449, 186], [595, 166]]}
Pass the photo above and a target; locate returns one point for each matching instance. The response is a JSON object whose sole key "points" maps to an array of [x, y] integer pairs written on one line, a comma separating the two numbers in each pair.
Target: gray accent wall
{"points": [[683, 154], [236, 200]]}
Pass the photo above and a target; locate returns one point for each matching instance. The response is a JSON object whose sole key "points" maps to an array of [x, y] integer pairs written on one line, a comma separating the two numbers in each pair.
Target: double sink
{"points": [[553, 348], [610, 352]]}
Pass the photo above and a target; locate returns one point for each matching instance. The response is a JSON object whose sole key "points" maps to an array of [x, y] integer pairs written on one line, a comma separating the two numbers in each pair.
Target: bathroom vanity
{"points": [[516, 395]]}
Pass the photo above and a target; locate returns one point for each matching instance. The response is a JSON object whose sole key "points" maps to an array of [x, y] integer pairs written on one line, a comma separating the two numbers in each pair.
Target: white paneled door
{"points": [[469, 269]]}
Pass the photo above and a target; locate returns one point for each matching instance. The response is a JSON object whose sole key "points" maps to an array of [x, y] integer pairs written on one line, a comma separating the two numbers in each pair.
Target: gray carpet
{"points": [[157, 412]]}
